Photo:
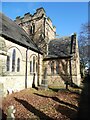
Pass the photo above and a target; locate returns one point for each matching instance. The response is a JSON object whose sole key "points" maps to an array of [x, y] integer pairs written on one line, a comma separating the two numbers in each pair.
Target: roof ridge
{"points": [[17, 33]]}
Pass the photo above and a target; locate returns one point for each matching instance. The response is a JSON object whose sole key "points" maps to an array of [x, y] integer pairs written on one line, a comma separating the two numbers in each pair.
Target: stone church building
{"points": [[31, 55]]}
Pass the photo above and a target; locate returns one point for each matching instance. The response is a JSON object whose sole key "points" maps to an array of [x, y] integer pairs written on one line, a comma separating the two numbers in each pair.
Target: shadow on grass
{"points": [[67, 90], [56, 99], [57, 89], [32, 109], [3, 116], [64, 110], [75, 92]]}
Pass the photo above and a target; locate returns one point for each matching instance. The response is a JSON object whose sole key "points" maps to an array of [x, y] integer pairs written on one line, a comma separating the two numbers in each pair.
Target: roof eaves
{"points": [[19, 43], [56, 58]]}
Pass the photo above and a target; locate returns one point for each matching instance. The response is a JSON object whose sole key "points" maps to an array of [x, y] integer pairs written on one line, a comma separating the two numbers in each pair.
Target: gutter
{"points": [[19, 43], [56, 58]]}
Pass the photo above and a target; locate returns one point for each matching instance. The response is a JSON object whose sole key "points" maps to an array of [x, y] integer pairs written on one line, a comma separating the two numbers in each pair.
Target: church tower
{"points": [[39, 28]]}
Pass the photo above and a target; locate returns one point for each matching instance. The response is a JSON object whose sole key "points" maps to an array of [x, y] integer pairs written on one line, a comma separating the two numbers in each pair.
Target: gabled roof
{"points": [[11, 31], [60, 47]]}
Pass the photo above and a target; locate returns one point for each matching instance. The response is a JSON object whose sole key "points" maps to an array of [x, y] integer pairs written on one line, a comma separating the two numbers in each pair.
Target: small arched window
{"points": [[33, 28], [52, 67], [57, 67], [30, 66], [8, 63], [18, 64], [13, 60]]}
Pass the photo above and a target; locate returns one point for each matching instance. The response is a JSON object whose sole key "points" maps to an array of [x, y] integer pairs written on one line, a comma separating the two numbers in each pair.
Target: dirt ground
{"points": [[35, 104]]}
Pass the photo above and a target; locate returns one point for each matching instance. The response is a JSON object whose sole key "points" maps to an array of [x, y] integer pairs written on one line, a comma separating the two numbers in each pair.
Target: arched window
{"points": [[36, 67], [52, 67], [30, 66], [8, 63], [18, 64], [57, 67], [33, 63], [13, 60], [31, 30]]}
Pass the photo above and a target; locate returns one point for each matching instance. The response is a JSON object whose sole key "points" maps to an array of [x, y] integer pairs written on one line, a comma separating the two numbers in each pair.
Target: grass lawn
{"points": [[35, 104]]}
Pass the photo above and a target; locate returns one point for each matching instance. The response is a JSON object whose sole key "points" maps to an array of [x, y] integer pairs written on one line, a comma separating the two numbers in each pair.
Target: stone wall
{"points": [[58, 73], [15, 80], [63, 72], [55, 81], [68, 69]]}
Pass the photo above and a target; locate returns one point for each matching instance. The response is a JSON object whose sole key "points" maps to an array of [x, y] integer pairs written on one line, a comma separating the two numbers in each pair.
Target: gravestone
{"points": [[10, 113], [44, 84]]}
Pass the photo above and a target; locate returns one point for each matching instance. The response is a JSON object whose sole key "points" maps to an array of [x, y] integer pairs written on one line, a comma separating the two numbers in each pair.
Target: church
{"points": [[32, 56]]}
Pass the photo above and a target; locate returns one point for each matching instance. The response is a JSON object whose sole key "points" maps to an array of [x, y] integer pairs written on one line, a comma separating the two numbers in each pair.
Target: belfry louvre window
{"points": [[18, 64], [13, 60], [33, 30], [8, 63]]}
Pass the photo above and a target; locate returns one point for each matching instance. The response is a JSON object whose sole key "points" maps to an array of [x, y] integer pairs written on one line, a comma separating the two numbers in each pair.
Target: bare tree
{"points": [[84, 46]]}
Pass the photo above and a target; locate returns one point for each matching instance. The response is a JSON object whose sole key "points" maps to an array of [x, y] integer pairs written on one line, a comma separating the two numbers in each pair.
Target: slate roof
{"points": [[60, 47], [11, 31]]}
